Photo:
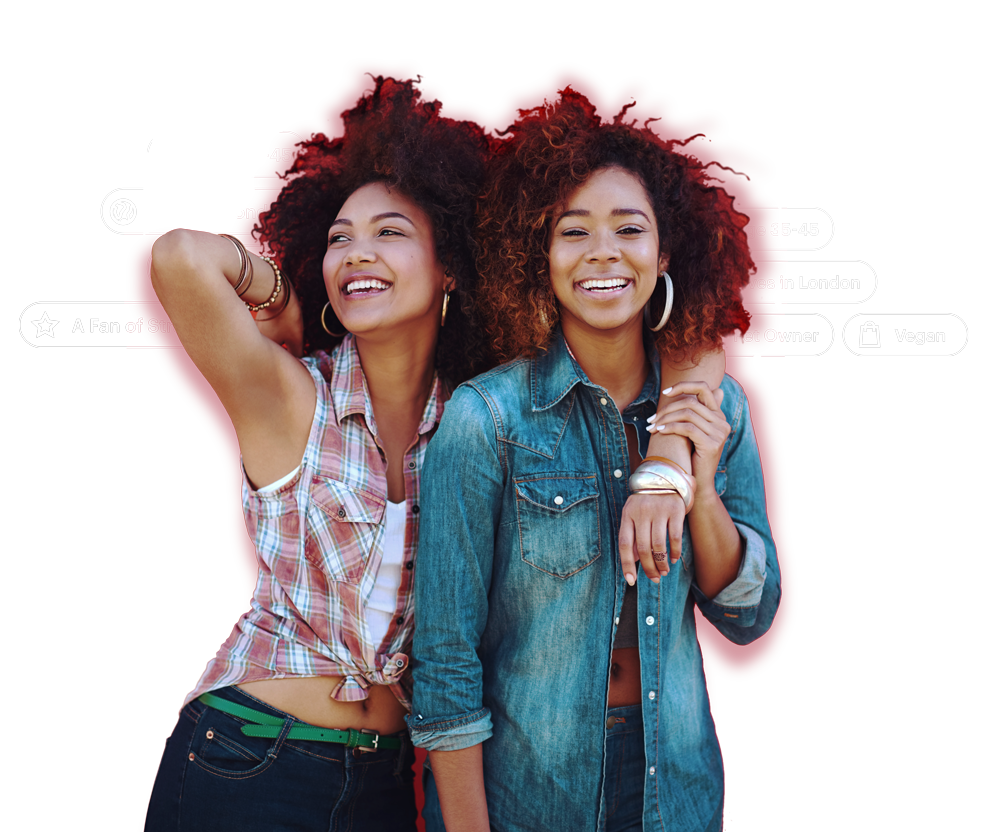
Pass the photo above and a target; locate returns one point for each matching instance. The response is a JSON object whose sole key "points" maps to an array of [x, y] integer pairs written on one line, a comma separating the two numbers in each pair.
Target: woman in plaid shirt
{"points": [[298, 721]]}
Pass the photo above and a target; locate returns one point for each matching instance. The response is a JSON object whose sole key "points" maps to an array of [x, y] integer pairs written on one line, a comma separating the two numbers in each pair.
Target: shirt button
{"points": [[603, 400], [409, 564], [399, 621], [618, 473], [558, 500], [652, 694], [416, 509], [650, 620], [652, 771], [616, 620], [412, 465], [341, 513]]}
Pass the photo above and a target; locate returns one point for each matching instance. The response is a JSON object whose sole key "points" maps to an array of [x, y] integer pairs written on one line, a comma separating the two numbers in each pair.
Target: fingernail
{"points": [[651, 418], [630, 579], [656, 580], [667, 391], [662, 428], [650, 428]]}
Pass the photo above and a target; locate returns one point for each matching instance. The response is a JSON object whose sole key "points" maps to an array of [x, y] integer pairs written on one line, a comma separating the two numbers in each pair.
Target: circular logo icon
{"points": [[123, 211]]}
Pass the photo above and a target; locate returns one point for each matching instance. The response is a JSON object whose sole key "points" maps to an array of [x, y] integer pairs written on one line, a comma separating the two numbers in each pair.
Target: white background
{"points": [[870, 703]]}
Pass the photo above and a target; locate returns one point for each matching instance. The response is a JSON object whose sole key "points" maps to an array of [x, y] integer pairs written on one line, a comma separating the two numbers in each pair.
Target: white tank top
{"points": [[382, 603]]}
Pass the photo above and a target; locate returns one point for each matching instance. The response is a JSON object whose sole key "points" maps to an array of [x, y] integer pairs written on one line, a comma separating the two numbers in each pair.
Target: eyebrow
{"points": [[617, 212], [376, 218]]}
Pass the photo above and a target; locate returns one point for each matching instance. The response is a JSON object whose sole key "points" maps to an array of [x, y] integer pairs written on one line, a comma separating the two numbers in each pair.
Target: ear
{"points": [[664, 263], [449, 281]]}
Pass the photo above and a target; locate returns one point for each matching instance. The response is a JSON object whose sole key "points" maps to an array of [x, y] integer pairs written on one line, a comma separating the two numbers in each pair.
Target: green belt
{"points": [[270, 726]]}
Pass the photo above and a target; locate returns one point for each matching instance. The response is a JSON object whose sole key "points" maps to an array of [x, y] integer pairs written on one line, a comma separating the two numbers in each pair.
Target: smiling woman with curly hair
{"points": [[298, 721], [554, 690], [552, 150]]}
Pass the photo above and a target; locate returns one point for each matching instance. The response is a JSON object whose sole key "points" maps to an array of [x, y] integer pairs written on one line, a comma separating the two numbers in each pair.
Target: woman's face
{"points": [[381, 268], [604, 256]]}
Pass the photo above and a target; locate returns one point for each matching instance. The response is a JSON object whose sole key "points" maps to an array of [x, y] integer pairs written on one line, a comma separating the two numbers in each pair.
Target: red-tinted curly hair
{"points": [[551, 150], [391, 135]]}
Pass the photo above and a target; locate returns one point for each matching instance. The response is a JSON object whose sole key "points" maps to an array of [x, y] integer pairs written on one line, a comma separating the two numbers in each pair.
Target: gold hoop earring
{"points": [[667, 305], [322, 321], [444, 307]]}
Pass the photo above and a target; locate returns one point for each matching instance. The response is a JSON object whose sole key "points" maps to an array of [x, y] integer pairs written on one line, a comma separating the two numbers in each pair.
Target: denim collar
{"points": [[555, 372]]}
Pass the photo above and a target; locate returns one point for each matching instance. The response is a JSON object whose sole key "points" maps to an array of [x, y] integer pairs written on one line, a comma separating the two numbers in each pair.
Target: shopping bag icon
{"points": [[869, 334]]}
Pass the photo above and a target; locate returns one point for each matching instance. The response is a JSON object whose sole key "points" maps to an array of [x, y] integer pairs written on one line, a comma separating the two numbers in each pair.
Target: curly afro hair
{"points": [[391, 135], [547, 153]]}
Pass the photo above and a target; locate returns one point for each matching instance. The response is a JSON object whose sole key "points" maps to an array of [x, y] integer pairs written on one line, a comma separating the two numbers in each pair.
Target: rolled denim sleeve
{"points": [[744, 610], [461, 496]]}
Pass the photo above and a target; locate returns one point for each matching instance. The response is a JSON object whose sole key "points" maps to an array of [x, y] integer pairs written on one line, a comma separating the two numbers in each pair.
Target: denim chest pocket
{"points": [[343, 527], [558, 521]]}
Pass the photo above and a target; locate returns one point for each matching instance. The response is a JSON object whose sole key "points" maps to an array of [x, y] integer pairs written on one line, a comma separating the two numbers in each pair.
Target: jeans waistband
{"points": [[623, 719], [271, 723]]}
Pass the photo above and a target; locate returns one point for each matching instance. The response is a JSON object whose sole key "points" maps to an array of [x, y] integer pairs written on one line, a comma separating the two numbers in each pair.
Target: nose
{"points": [[359, 251], [604, 247]]}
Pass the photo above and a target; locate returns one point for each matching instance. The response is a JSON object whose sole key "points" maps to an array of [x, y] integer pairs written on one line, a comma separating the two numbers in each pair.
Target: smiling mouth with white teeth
{"points": [[607, 284], [367, 287]]}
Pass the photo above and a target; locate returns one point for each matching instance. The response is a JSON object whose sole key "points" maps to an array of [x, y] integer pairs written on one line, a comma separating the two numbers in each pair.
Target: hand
{"points": [[285, 327], [647, 521], [694, 412]]}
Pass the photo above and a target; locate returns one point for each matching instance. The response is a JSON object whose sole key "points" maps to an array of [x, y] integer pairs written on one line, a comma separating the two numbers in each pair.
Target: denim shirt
{"points": [[519, 591]]}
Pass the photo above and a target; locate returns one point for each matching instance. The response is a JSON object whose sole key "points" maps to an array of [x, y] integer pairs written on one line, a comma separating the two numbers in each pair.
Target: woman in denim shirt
{"points": [[535, 714]]}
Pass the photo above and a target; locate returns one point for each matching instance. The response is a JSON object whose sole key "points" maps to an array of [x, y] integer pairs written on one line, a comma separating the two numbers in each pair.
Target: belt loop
{"points": [[285, 728], [402, 756]]}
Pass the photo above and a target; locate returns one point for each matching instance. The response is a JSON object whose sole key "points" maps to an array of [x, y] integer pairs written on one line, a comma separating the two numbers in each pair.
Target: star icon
{"points": [[45, 325]]}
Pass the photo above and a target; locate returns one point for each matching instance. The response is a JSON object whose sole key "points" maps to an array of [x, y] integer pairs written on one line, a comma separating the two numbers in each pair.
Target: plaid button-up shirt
{"points": [[319, 541]]}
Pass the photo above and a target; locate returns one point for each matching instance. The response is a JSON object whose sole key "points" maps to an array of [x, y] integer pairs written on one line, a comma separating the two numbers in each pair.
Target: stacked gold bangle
{"points": [[246, 266], [277, 285], [246, 273]]}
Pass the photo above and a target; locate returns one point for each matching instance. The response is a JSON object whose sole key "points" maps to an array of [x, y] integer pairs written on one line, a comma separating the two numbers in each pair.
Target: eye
{"points": [[573, 232], [337, 237], [631, 230], [390, 232]]}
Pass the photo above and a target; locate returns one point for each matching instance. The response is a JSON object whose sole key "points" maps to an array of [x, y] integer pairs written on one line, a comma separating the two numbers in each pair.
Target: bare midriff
{"points": [[625, 684], [307, 698]]}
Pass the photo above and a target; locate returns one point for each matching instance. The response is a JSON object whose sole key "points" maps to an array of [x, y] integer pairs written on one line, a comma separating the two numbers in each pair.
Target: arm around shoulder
{"points": [[744, 610]]}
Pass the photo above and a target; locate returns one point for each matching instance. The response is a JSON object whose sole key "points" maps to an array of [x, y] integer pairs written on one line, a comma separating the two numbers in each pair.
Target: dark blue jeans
{"points": [[624, 772], [214, 778], [624, 778]]}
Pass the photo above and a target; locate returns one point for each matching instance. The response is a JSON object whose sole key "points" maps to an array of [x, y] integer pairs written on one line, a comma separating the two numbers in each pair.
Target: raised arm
{"points": [[267, 393], [649, 521]]}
